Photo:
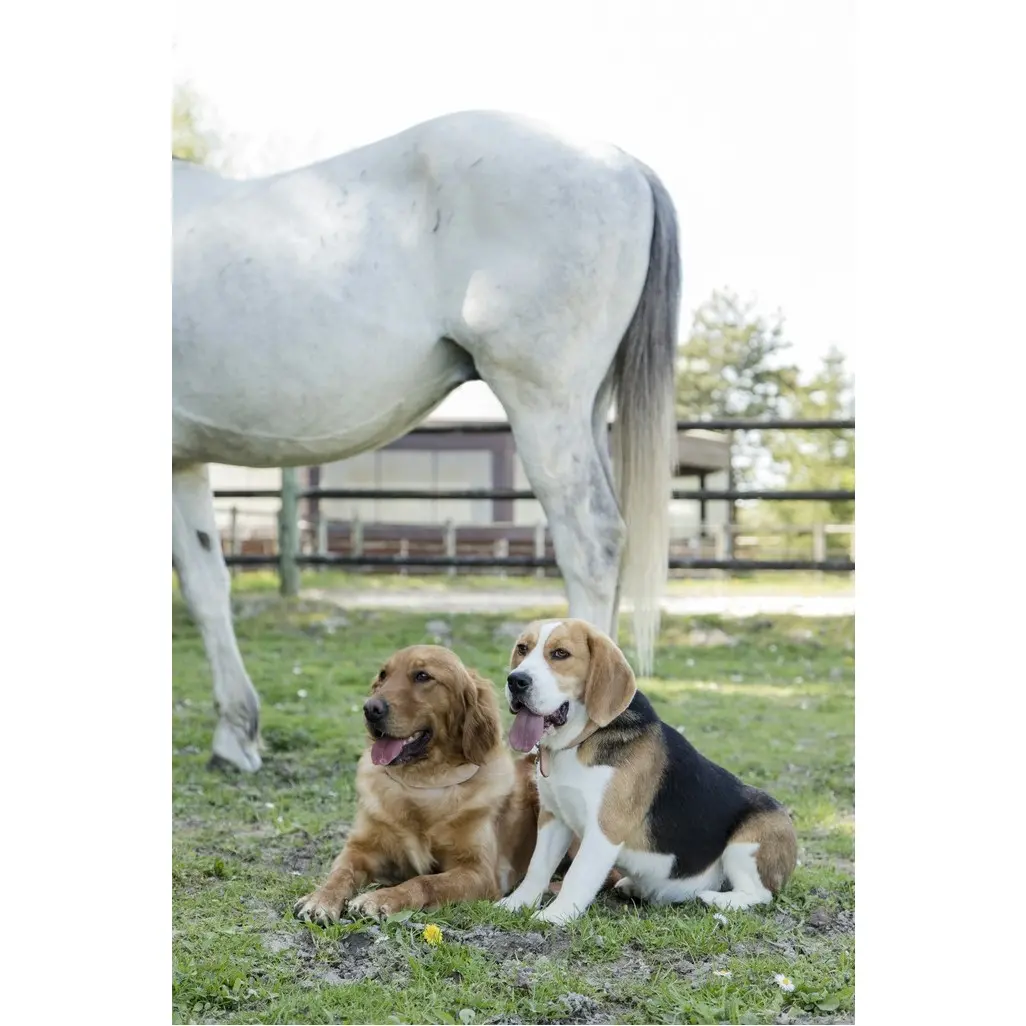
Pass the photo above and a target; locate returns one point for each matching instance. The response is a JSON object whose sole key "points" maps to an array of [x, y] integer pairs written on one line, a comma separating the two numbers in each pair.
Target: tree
{"points": [[821, 459], [732, 366], [729, 365], [188, 141]]}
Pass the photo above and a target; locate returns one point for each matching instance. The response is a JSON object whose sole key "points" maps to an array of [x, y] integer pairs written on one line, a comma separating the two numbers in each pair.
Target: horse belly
{"points": [[316, 407]]}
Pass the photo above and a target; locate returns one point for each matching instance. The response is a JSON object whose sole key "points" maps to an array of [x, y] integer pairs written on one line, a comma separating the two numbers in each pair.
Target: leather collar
{"points": [[449, 777], [545, 754]]}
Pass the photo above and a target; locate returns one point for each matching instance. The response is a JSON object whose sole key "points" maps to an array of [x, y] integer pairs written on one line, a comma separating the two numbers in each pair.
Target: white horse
{"points": [[324, 311]]}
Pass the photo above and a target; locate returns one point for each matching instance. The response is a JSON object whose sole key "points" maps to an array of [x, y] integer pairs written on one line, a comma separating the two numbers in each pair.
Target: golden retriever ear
{"points": [[481, 725], [610, 686]]}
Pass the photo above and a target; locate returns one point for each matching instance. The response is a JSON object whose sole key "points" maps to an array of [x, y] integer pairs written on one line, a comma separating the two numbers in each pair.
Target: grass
{"points": [[771, 698], [767, 583]]}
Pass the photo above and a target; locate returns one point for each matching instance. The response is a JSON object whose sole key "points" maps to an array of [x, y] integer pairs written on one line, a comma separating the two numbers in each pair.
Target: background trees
{"points": [[735, 363]]}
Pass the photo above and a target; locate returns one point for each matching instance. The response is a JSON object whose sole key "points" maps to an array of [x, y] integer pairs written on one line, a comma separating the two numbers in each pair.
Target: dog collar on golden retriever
{"points": [[449, 777], [544, 754]]}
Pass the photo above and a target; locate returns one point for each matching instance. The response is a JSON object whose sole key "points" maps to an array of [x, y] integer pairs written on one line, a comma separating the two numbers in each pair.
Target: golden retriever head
{"points": [[427, 707], [564, 673]]}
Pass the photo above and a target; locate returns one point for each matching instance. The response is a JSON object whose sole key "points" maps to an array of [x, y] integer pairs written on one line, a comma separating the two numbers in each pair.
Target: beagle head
{"points": [[564, 673], [426, 707]]}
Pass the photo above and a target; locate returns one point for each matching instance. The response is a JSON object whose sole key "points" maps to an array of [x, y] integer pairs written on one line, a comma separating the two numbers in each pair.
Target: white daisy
{"points": [[784, 982]]}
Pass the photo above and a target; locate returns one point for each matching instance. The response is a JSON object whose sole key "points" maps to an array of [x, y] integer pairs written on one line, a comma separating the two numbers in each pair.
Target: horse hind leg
{"points": [[206, 584], [600, 430], [558, 448]]}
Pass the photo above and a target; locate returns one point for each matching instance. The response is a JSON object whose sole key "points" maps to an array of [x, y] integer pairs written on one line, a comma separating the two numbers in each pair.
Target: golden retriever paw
{"points": [[318, 908], [375, 904]]}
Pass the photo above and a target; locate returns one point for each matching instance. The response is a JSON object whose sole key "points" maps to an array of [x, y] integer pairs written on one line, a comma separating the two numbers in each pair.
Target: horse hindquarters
{"points": [[557, 403]]}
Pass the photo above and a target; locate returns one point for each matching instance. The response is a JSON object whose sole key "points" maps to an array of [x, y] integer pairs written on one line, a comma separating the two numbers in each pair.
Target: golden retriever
{"points": [[444, 812]]}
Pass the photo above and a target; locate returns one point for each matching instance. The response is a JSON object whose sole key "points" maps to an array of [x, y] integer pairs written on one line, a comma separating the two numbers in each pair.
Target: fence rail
{"points": [[536, 562], [289, 559], [502, 427], [708, 494]]}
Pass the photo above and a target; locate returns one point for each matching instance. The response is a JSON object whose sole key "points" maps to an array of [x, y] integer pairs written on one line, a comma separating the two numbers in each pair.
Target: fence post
{"points": [[732, 505], [322, 536], [539, 546], [288, 533], [404, 553], [502, 552], [450, 544], [356, 535], [819, 542], [233, 538], [720, 535]]}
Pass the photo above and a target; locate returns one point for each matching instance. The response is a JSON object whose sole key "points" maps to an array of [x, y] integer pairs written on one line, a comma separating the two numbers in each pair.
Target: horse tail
{"points": [[644, 434]]}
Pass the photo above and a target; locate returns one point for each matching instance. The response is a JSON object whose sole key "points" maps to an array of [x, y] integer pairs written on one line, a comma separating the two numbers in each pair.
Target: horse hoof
{"points": [[231, 750]]}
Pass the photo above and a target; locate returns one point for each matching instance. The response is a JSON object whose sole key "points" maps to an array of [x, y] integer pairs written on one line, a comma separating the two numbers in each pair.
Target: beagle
{"points": [[636, 792]]}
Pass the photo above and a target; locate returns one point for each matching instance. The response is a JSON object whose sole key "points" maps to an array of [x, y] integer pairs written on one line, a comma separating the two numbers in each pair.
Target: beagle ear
{"points": [[610, 685], [481, 724]]}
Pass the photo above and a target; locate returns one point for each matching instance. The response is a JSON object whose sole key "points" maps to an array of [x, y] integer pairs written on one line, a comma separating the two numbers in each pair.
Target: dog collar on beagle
{"points": [[448, 777], [545, 754]]}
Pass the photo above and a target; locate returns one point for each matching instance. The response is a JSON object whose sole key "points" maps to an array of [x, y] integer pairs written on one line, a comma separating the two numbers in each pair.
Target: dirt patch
{"points": [[306, 854], [503, 945], [278, 942], [825, 921], [367, 954], [259, 909], [628, 968], [580, 1007], [796, 1015]]}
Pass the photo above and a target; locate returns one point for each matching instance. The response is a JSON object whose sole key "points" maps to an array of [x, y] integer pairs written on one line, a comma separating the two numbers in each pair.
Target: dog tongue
{"points": [[526, 731], [385, 749]]}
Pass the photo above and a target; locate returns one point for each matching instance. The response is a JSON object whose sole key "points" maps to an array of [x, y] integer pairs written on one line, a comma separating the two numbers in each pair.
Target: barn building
{"points": [[447, 460]]}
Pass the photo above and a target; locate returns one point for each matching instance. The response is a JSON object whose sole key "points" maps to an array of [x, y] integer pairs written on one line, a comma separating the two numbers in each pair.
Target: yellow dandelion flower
{"points": [[432, 934]]}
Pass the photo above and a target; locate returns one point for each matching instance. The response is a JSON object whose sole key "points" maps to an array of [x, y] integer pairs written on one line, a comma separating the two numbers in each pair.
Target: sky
{"points": [[745, 110]]}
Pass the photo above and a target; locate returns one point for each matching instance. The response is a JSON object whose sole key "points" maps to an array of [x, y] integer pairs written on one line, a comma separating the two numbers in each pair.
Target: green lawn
{"points": [[771, 698], [766, 583]]}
